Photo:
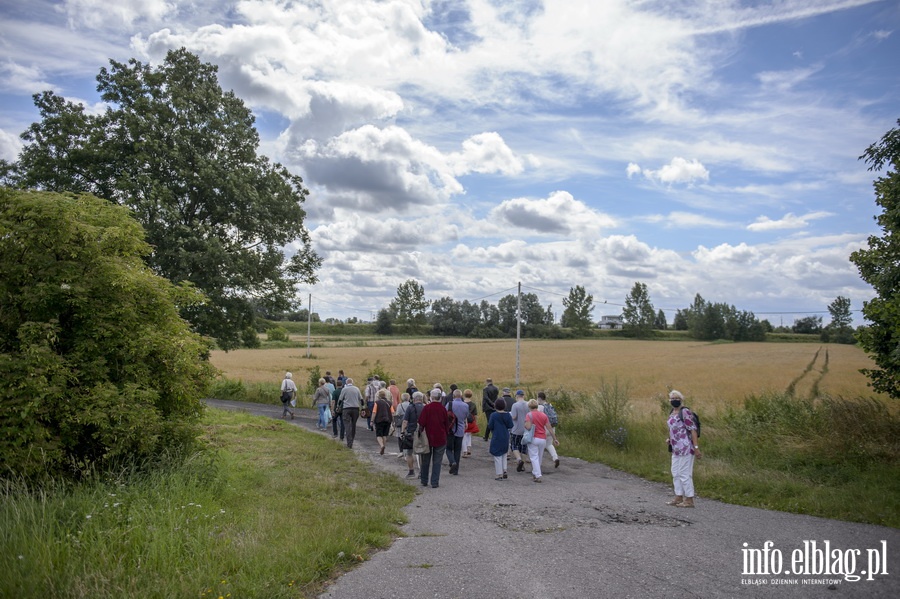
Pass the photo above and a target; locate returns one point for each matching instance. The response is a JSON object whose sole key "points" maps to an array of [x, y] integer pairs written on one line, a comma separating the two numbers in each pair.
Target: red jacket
{"points": [[436, 421]]}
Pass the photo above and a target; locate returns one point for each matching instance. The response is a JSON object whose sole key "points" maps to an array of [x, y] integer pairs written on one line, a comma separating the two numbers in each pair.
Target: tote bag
{"points": [[528, 437], [420, 441]]}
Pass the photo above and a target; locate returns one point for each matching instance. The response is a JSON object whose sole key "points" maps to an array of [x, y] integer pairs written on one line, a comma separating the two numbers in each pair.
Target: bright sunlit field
{"points": [[714, 374]]}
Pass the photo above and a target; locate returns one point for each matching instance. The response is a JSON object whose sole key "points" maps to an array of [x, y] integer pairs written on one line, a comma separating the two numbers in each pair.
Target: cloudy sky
{"points": [[697, 146]]}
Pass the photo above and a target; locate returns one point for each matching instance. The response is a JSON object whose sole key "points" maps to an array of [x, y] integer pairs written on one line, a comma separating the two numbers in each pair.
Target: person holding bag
{"points": [[435, 421], [288, 394], [537, 426], [321, 399], [408, 431]]}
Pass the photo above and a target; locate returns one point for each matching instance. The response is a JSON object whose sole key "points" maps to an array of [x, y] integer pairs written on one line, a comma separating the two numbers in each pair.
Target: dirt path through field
{"points": [[590, 531]]}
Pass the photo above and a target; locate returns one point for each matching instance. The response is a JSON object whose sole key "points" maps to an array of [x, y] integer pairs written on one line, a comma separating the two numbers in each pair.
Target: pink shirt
{"points": [[540, 422]]}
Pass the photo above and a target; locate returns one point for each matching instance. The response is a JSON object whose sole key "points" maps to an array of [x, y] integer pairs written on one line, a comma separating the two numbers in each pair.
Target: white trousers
{"points": [[536, 452], [500, 464], [552, 450], [683, 475]]}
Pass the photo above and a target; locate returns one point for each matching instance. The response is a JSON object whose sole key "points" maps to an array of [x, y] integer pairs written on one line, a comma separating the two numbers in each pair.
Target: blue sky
{"points": [[704, 146]]}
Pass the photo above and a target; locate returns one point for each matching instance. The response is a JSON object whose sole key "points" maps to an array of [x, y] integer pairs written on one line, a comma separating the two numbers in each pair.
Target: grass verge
{"points": [[828, 457], [268, 511]]}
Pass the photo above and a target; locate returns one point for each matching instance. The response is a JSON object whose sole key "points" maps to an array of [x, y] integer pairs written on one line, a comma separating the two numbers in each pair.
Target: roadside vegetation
{"points": [[267, 511], [787, 426]]}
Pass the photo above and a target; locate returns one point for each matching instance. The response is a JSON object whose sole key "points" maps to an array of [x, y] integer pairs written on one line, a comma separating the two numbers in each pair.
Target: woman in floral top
{"points": [[683, 445]]}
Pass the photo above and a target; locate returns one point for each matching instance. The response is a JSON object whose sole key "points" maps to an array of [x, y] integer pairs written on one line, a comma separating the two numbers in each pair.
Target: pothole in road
{"points": [[571, 514]]}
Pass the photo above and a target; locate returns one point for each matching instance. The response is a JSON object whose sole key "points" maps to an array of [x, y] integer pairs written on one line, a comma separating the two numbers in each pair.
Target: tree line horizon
{"points": [[703, 320]]}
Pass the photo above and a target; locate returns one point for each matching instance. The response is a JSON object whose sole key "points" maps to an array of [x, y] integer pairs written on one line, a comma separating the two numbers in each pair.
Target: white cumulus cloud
{"points": [[560, 213], [679, 170], [788, 221]]}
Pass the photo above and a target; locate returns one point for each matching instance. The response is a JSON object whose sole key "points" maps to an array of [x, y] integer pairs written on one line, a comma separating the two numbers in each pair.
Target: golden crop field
{"points": [[710, 374]]}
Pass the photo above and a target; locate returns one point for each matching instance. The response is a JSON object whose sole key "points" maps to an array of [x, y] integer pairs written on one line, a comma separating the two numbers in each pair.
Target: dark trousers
{"points": [[432, 461], [487, 431], [350, 416], [454, 449], [338, 420], [369, 406]]}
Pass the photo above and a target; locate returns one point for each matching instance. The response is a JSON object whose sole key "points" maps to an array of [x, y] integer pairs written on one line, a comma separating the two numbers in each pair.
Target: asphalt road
{"points": [[591, 531]]}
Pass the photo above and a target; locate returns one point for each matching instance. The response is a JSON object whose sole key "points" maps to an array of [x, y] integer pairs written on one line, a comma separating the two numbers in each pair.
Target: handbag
{"points": [[406, 441], [528, 437], [327, 415], [420, 442]]}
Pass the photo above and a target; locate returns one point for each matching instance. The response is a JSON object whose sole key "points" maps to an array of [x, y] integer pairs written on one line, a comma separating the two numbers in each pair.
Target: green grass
{"points": [[268, 511], [829, 457]]}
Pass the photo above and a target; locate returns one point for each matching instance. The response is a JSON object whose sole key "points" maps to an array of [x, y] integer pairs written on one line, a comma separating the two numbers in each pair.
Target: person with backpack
{"points": [[517, 412], [408, 429], [548, 409], [372, 387], [683, 441], [382, 416], [288, 393], [458, 412]]}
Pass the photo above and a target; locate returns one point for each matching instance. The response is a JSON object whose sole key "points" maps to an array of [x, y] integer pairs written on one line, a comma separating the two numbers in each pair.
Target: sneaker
{"points": [[411, 474], [504, 475], [434, 486], [556, 463], [539, 480], [520, 466]]}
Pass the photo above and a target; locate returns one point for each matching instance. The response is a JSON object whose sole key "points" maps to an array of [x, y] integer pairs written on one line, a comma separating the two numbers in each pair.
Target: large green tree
{"points": [[410, 304], [182, 154], [96, 365], [639, 313], [840, 329], [879, 266], [577, 315]]}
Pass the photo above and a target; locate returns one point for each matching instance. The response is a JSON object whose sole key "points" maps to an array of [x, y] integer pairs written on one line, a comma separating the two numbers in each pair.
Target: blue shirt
{"points": [[500, 423], [461, 411]]}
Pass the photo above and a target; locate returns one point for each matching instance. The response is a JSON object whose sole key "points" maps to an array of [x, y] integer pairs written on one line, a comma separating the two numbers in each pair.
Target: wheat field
{"points": [[713, 375]]}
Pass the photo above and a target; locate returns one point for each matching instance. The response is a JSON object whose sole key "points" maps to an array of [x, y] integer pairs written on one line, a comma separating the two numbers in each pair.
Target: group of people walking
{"points": [[432, 424]]}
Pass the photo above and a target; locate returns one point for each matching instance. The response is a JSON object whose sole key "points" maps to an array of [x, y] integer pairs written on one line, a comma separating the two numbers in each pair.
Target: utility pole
{"points": [[308, 323], [518, 328]]}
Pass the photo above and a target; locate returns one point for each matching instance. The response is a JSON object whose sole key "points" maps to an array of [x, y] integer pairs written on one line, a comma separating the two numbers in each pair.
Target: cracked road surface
{"points": [[591, 531]]}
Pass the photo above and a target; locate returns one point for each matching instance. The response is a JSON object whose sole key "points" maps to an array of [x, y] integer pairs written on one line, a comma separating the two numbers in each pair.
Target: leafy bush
{"points": [[379, 370], [96, 366], [609, 405], [277, 334], [315, 373]]}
